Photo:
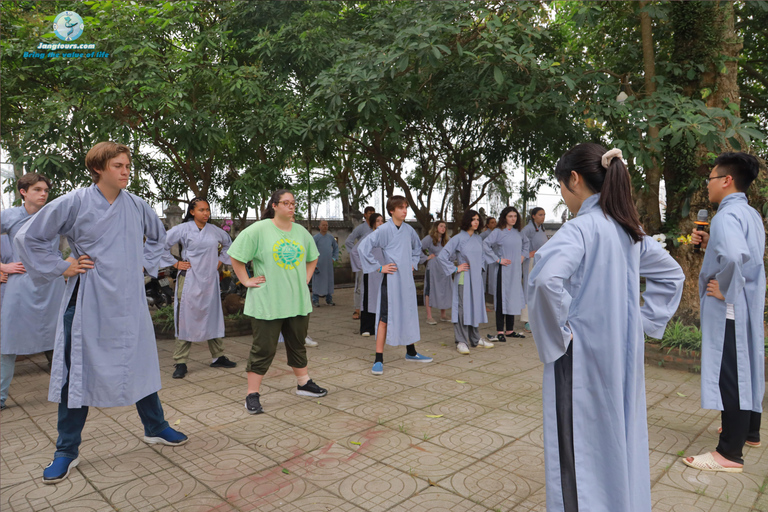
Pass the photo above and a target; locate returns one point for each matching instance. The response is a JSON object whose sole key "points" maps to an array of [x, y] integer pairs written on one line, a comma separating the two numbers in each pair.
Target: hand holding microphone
{"points": [[699, 236]]}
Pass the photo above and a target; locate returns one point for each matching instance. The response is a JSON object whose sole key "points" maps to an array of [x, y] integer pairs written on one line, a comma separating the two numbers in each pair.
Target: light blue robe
{"points": [[734, 256], [199, 316], [491, 271], [30, 312], [114, 353], [352, 240], [322, 279], [586, 283], [464, 248], [509, 244], [440, 285], [537, 237], [402, 247], [6, 256]]}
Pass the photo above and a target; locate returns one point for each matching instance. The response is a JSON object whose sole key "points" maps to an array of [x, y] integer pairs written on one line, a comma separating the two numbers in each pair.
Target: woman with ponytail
{"points": [[589, 325], [437, 285], [197, 311]]}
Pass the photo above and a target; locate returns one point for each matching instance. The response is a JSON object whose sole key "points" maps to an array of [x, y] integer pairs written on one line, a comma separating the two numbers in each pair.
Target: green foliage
{"points": [[683, 337], [163, 318]]}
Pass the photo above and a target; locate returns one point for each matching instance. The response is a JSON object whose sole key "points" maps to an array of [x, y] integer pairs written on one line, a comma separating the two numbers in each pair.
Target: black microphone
{"points": [[702, 223]]}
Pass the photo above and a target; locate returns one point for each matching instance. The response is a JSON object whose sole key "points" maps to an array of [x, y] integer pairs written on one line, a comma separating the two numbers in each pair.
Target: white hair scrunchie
{"points": [[610, 155]]}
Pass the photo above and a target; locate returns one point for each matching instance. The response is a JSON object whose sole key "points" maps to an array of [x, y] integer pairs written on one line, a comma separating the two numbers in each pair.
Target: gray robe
{"points": [[114, 353], [735, 258], [352, 240], [199, 316], [402, 247], [322, 280], [464, 248], [440, 285], [586, 284], [509, 244], [30, 312], [537, 237], [374, 284], [6, 256]]}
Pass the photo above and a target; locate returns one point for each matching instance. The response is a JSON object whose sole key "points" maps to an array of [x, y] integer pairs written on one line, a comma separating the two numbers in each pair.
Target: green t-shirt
{"points": [[281, 257]]}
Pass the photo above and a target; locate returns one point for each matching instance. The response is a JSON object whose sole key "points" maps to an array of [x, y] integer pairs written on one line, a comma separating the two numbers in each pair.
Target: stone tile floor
{"points": [[463, 434]]}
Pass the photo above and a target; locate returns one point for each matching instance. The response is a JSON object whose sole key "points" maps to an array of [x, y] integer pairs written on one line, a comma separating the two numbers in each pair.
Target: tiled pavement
{"points": [[462, 434]]}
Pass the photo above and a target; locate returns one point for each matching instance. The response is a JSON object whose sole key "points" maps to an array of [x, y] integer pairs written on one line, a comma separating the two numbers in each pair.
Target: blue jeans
{"points": [[7, 367], [72, 421], [316, 298]]}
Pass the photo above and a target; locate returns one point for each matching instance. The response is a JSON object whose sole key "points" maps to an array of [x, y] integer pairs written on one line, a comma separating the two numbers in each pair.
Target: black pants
{"points": [[738, 425], [383, 301], [500, 316], [367, 318], [564, 408]]}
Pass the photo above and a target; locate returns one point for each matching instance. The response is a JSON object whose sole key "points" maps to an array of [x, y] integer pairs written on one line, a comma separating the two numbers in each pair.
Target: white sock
{"points": [[302, 380]]}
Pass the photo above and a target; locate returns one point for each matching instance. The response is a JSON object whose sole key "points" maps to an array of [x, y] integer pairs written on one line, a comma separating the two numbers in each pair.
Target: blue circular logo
{"points": [[68, 26]]}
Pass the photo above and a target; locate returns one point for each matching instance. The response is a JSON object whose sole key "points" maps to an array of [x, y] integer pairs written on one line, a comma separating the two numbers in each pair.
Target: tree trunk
{"points": [[687, 167]]}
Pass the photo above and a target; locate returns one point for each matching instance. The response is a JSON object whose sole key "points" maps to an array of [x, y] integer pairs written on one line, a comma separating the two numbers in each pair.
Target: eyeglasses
{"points": [[288, 204], [716, 178]]}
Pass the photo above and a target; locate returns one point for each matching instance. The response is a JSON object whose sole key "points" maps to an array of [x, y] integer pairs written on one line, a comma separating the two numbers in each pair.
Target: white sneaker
{"points": [[309, 342], [462, 348], [485, 344]]}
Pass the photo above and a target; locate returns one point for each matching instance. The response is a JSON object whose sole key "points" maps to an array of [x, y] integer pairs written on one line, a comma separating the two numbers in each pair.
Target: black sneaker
{"points": [[311, 389], [180, 372], [252, 404], [223, 362], [501, 338], [330, 303], [516, 335]]}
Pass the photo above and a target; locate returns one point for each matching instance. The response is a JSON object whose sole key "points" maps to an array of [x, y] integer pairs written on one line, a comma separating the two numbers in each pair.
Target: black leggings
{"points": [[500, 316], [564, 408], [367, 318]]}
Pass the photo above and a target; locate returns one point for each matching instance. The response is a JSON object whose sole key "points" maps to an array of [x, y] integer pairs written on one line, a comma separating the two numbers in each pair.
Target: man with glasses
{"points": [[732, 292]]}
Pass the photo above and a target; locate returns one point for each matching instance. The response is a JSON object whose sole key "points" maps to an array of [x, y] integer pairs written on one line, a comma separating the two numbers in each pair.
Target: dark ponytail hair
{"points": [[269, 211], [502, 222], [612, 183], [372, 219], [535, 211], [188, 217]]}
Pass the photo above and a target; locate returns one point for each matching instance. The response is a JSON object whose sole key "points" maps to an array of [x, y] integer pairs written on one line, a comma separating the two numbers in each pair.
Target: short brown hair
{"points": [[396, 202], [101, 153], [30, 179]]}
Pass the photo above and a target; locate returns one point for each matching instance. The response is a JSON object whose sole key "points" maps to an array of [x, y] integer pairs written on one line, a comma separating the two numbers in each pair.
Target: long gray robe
{"points": [[734, 257], [199, 316], [586, 283], [114, 353], [537, 237], [464, 248], [509, 244], [402, 247], [30, 312], [352, 240], [322, 280], [440, 285], [491, 271]]}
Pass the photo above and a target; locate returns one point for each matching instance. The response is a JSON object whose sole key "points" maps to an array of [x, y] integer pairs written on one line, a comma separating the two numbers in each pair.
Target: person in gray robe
{"points": [[537, 237], [29, 313], [105, 352], [322, 279], [511, 250], [437, 285], [588, 325], [397, 317], [354, 238], [197, 307], [732, 294], [492, 269], [468, 309], [369, 300]]}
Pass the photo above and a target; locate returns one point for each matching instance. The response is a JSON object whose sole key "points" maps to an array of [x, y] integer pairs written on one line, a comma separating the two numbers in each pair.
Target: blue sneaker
{"points": [[59, 469], [419, 358], [378, 368], [168, 437]]}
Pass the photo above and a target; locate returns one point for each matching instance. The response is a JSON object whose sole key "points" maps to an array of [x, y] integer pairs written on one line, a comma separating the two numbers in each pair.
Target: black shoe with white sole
{"points": [[311, 389], [252, 404]]}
